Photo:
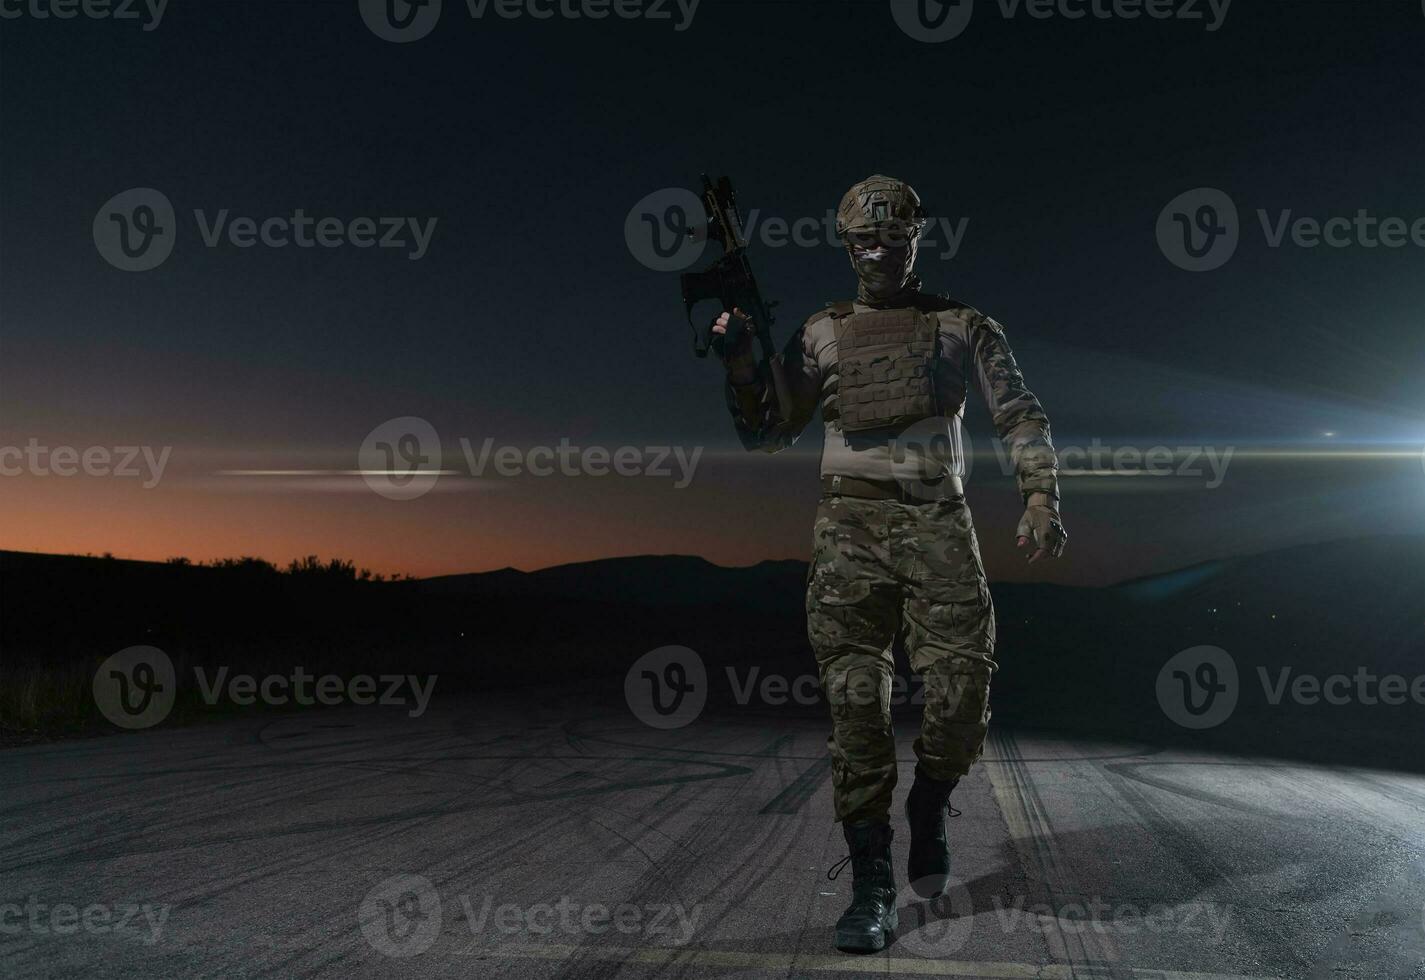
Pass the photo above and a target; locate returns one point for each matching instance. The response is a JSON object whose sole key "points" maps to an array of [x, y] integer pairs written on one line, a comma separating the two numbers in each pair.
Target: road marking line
{"points": [[877, 965], [1033, 835]]}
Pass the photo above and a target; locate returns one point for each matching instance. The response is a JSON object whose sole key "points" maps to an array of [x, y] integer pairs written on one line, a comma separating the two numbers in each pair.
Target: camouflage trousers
{"points": [[879, 568]]}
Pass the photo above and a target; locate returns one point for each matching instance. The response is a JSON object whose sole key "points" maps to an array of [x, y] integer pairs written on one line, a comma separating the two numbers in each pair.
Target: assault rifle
{"points": [[730, 282]]}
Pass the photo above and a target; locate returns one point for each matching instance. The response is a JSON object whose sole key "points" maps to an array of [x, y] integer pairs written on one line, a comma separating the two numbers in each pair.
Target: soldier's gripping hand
{"points": [[1041, 525], [737, 357]]}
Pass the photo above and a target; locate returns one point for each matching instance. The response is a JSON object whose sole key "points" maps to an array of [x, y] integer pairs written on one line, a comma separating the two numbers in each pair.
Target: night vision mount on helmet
{"points": [[879, 205]]}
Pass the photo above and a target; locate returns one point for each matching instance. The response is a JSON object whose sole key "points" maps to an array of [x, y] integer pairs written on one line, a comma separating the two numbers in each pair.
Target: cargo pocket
{"points": [[956, 610], [834, 581], [858, 693], [974, 618], [830, 593], [841, 618]]}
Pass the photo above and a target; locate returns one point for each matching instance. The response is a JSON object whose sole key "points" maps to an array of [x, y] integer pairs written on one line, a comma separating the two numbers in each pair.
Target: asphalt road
{"points": [[491, 838]]}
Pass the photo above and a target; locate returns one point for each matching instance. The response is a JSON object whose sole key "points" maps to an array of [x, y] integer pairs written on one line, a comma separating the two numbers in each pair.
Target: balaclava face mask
{"points": [[880, 220], [883, 270]]}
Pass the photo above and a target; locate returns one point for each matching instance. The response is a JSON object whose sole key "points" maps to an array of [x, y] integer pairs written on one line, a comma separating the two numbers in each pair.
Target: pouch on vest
{"points": [[886, 367]]}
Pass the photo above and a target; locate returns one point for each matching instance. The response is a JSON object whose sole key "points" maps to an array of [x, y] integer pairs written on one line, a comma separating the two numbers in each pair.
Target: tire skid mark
{"points": [[1087, 954]]}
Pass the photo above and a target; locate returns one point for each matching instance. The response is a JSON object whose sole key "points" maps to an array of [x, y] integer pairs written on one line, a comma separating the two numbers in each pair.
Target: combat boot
{"points": [[928, 866], [867, 924]]}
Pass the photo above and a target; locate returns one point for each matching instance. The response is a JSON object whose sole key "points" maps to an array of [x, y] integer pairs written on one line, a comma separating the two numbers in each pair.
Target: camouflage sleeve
{"points": [[754, 405], [1018, 417]]}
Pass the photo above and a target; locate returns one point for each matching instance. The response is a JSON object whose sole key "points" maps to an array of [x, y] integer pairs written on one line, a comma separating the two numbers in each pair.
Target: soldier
{"points": [[894, 548]]}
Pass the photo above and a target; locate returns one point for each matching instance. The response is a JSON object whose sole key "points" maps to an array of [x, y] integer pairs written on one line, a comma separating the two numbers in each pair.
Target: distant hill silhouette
{"points": [[658, 580], [1081, 659], [491, 629]]}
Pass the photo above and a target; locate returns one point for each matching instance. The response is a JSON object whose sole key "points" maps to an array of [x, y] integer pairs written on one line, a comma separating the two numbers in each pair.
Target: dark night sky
{"points": [[530, 321]]}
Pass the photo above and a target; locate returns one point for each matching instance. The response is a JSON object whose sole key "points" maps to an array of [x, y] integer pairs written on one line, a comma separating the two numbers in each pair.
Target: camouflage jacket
{"points": [[971, 349]]}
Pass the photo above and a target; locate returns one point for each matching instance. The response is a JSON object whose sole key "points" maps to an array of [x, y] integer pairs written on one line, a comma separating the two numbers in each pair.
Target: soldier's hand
{"points": [[1041, 525], [737, 358]]}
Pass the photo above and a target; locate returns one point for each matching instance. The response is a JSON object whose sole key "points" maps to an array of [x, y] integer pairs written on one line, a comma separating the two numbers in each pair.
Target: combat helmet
{"points": [[880, 205]]}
